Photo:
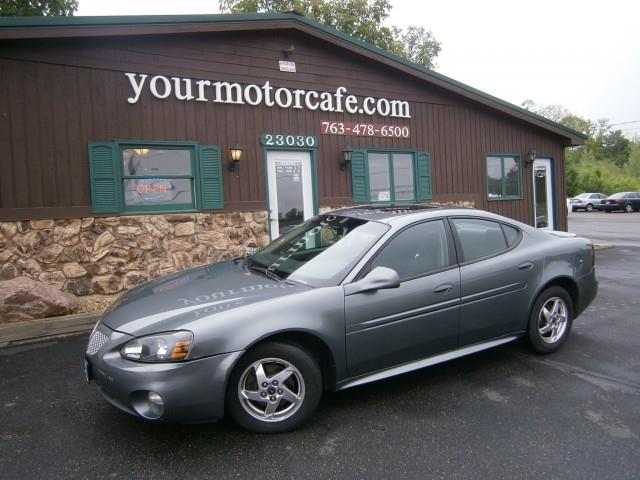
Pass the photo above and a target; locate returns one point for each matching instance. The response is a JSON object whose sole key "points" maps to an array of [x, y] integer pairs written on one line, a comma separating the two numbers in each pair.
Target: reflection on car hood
{"points": [[166, 303]]}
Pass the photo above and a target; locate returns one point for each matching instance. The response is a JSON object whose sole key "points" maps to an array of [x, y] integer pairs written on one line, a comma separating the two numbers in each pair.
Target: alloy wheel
{"points": [[271, 390], [552, 320]]}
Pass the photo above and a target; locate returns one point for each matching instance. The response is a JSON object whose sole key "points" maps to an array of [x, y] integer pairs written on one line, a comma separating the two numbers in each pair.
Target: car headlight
{"points": [[163, 347]]}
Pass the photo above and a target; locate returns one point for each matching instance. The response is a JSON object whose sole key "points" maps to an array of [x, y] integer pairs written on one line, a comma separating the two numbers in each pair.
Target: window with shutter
{"points": [[396, 176], [155, 177]]}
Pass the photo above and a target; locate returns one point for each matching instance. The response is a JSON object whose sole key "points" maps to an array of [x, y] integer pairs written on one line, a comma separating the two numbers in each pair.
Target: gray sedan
{"points": [[347, 298]]}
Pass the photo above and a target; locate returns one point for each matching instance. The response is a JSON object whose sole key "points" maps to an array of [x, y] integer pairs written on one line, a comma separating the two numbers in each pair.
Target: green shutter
{"points": [[360, 176], [423, 174], [105, 178], [210, 177]]}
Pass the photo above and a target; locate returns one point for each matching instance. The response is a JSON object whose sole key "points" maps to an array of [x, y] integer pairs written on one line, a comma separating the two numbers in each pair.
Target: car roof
{"points": [[385, 212], [406, 213]]}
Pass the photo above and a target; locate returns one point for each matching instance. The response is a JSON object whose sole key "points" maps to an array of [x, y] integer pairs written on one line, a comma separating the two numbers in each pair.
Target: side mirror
{"points": [[376, 279]]}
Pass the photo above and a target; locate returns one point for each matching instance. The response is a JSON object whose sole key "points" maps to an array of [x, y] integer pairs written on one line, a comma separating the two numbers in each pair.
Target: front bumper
{"points": [[192, 391]]}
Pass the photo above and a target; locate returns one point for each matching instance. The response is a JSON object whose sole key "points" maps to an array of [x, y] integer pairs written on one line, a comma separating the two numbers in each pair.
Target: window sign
{"points": [[153, 176]]}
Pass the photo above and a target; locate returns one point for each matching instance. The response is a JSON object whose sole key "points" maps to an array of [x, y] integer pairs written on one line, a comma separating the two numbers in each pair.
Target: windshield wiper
{"points": [[264, 270]]}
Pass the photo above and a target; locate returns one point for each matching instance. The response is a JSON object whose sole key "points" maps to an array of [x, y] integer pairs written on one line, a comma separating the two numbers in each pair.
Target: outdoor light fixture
{"points": [[235, 153], [531, 156], [346, 157], [288, 51], [141, 152]]}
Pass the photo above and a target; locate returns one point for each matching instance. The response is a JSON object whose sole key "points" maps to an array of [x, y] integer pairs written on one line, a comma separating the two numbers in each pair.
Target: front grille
{"points": [[96, 342]]}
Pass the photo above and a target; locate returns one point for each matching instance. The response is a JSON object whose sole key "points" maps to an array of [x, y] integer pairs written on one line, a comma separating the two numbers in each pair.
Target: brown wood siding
{"points": [[58, 95]]}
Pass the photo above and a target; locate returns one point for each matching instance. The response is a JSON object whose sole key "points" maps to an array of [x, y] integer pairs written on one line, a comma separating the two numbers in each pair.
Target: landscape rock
{"points": [[23, 298]]}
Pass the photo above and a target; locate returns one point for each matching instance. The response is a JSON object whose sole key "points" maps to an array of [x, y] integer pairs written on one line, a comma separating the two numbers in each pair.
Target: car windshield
{"points": [[618, 195], [582, 195], [319, 252]]}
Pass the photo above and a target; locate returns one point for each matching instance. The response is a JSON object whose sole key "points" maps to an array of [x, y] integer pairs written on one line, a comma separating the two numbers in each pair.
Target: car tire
{"points": [[287, 395], [628, 208], [589, 208], [550, 320]]}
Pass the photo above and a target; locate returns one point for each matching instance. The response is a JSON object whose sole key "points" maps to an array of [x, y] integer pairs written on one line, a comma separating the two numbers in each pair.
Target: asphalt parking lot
{"points": [[615, 228], [504, 413]]}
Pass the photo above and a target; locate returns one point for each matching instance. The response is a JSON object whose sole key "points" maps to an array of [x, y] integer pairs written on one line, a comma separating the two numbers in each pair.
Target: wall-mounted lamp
{"points": [[235, 153], [288, 51], [141, 152], [346, 157], [531, 156]]}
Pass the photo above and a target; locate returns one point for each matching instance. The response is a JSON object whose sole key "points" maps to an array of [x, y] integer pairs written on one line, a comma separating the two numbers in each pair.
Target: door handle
{"points": [[525, 266], [444, 288]]}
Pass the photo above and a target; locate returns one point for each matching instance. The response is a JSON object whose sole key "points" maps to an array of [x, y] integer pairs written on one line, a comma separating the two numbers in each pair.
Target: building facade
{"points": [[136, 147]]}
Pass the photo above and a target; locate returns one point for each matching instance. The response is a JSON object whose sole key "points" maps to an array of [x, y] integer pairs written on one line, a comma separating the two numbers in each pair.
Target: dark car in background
{"points": [[347, 298], [622, 201], [586, 201]]}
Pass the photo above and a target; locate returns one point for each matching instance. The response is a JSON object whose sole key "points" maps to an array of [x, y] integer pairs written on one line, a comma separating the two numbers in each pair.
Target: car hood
{"points": [[170, 302]]}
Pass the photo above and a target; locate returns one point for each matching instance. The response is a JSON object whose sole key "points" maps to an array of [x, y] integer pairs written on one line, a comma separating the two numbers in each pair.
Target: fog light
{"points": [[148, 404], [155, 398]]}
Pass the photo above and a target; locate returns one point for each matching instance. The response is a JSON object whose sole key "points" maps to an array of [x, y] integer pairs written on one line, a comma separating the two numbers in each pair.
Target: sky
{"points": [[584, 55]]}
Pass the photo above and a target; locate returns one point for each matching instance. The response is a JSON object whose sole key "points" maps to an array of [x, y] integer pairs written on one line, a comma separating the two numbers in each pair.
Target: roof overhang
{"points": [[68, 27]]}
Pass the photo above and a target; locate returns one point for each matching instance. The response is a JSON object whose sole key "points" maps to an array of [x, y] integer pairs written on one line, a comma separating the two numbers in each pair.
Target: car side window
{"points": [[512, 234], [479, 238], [417, 250]]}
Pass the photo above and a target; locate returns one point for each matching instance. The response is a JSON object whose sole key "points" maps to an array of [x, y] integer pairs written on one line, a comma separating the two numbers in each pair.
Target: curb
{"points": [[602, 246], [46, 328]]}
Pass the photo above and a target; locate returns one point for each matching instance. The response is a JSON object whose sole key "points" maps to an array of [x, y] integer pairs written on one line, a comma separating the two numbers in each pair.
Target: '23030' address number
{"points": [[281, 140]]}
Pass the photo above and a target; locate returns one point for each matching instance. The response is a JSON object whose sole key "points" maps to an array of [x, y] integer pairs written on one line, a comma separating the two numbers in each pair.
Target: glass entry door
{"points": [[543, 194], [290, 190]]}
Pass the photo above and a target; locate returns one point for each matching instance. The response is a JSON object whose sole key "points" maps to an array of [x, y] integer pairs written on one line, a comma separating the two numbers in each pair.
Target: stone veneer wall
{"points": [[104, 255]]}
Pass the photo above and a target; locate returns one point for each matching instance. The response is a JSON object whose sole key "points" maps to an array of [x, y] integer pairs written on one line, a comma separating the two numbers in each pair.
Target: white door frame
{"points": [[547, 164], [286, 156]]}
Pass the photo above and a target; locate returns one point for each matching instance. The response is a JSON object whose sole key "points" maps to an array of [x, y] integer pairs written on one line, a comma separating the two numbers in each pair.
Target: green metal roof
{"points": [[141, 20]]}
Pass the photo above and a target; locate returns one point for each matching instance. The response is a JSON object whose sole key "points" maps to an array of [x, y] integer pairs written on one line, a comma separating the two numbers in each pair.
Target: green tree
{"points": [[616, 148], [362, 19], [633, 165], [37, 8], [608, 162]]}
